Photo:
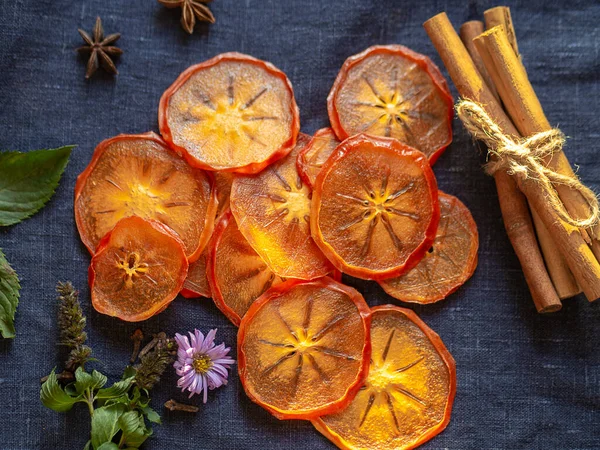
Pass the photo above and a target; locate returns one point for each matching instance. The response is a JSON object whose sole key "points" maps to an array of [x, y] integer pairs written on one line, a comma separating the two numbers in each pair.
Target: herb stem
{"points": [[89, 399]]}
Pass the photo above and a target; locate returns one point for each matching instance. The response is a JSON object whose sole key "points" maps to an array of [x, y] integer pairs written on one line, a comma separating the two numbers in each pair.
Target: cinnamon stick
{"points": [[562, 278], [527, 113], [469, 31], [469, 83], [513, 204], [500, 15]]}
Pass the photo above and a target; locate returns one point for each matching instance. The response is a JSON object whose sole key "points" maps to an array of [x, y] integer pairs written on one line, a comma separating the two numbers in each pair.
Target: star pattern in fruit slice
{"points": [[392, 91], [138, 175], [272, 211], [448, 264], [407, 397], [230, 113], [303, 348], [237, 274], [374, 209], [138, 269]]}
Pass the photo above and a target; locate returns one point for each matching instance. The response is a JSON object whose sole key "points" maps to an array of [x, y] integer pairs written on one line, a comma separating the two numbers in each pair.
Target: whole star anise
{"points": [[190, 11], [100, 49]]}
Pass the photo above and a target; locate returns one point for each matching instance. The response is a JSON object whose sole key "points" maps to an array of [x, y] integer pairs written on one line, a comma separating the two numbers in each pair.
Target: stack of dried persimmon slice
{"points": [[234, 203]]}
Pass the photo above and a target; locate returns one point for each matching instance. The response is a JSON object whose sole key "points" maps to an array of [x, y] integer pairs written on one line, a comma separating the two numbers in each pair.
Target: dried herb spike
{"points": [[190, 11], [100, 49]]}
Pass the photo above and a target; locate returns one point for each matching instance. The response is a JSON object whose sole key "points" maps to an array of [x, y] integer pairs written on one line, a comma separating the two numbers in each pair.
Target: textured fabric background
{"points": [[525, 381]]}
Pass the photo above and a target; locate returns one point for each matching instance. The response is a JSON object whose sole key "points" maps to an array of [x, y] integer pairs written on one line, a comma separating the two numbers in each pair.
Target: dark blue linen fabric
{"points": [[525, 381]]}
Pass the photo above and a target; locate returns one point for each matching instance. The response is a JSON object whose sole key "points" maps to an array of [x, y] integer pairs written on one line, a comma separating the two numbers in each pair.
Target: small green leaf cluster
{"points": [[118, 413]]}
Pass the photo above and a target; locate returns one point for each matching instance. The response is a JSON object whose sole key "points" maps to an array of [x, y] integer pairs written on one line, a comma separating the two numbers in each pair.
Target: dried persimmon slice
{"points": [[196, 284], [237, 275], [303, 348], [375, 207], [313, 156], [223, 181], [449, 262], [407, 397], [390, 90], [139, 268], [138, 175], [230, 113], [272, 210]]}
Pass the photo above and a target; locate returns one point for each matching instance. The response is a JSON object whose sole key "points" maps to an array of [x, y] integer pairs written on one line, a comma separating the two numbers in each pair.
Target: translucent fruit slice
{"points": [[450, 261], [272, 210], [230, 113], [313, 156], [223, 182], [408, 395], [389, 90], [237, 275], [375, 207], [138, 175], [139, 268], [303, 348], [196, 284]]}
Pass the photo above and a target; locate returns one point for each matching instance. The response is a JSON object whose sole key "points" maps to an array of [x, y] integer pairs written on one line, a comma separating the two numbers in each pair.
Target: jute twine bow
{"points": [[525, 158]]}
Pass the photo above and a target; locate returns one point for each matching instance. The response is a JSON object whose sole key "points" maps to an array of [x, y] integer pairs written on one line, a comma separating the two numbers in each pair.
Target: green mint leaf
{"points": [[54, 397], [109, 446], [129, 372], [151, 415], [28, 181], [88, 446], [118, 389], [84, 380], [9, 297], [105, 424], [134, 429]]}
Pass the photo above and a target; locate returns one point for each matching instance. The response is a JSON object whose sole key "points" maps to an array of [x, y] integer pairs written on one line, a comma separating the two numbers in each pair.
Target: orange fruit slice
{"points": [[196, 284], [407, 397], [389, 90], [374, 207], [237, 275], [303, 348], [230, 113], [272, 210], [313, 156], [449, 262], [138, 175], [223, 181], [139, 268]]}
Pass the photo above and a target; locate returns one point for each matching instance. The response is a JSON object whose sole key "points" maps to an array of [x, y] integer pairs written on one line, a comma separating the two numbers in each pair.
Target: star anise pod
{"points": [[190, 11], [100, 49]]}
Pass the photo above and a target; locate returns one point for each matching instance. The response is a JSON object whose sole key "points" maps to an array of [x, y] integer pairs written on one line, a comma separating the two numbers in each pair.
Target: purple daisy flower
{"points": [[200, 364]]}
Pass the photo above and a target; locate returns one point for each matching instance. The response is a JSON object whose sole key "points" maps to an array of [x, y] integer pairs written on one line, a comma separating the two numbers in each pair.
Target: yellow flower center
{"points": [[202, 364]]}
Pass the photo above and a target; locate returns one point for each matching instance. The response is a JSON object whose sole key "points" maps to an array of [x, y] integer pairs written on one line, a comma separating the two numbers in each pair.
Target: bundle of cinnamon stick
{"points": [[559, 260]]}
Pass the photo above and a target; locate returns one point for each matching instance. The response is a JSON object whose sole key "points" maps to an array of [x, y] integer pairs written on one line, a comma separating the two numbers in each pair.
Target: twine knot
{"points": [[525, 159]]}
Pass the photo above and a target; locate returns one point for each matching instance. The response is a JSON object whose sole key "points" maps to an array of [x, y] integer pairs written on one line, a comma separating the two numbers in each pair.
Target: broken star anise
{"points": [[190, 11], [100, 49]]}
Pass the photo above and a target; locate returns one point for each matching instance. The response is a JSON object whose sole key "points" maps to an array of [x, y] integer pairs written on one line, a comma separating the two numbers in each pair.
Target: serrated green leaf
{"points": [[9, 297], [28, 181], [84, 380], [54, 397], [151, 415], [118, 389], [105, 424], [129, 372], [130, 421]]}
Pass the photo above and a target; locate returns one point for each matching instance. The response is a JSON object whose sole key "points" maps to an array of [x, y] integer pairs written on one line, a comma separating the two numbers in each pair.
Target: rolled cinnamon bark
{"points": [[469, 83], [513, 204], [527, 113]]}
